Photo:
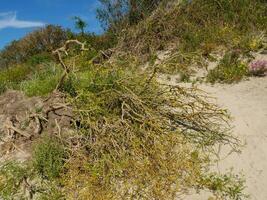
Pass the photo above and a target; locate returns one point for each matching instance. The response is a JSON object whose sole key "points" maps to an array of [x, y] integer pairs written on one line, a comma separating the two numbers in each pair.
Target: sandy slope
{"points": [[247, 103]]}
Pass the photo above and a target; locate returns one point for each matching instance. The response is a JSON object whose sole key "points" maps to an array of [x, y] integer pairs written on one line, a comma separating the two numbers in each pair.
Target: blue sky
{"points": [[18, 17]]}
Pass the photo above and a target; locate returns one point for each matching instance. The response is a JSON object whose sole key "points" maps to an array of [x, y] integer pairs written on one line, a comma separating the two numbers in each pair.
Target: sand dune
{"points": [[247, 104]]}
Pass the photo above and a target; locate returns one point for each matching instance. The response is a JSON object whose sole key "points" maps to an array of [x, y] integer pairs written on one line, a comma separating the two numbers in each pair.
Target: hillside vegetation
{"points": [[127, 136]]}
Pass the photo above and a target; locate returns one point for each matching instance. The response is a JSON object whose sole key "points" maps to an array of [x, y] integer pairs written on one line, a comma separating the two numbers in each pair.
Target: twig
{"points": [[27, 135], [58, 52]]}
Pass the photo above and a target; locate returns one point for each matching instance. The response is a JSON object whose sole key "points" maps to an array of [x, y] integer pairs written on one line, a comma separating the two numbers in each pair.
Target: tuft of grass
{"points": [[229, 70], [11, 77], [42, 82], [48, 158]]}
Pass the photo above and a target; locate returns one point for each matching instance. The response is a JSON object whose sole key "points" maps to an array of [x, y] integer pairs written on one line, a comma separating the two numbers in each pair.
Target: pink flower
{"points": [[258, 68]]}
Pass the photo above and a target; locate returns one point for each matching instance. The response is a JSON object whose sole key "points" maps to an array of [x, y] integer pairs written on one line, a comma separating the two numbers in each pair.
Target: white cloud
{"points": [[9, 20]]}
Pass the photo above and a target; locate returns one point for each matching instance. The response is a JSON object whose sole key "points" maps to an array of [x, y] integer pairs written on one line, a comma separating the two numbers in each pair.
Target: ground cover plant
{"points": [[230, 69], [258, 68], [42, 81]]}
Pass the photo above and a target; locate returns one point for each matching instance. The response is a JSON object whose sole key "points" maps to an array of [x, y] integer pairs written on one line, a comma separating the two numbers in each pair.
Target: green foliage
{"points": [[68, 86], [132, 137], [42, 82], [229, 70], [111, 14], [80, 24], [52, 192], [48, 158], [40, 41], [225, 186], [116, 15], [199, 26], [14, 177], [137, 139], [11, 77], [11, 176], [39, 59]]}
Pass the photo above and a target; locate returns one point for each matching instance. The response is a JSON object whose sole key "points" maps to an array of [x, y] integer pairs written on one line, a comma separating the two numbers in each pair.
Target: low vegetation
{"points": [[42, 82], [258, 68], [11, 78], [230, 69], [131, 137], [196, 29]]}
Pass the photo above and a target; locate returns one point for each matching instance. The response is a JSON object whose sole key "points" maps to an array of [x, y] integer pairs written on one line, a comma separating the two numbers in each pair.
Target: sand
{"points": [[247, 103]]}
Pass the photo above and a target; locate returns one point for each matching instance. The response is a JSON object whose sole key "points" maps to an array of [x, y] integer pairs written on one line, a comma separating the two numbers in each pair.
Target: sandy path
{"points": [[247, 103]]}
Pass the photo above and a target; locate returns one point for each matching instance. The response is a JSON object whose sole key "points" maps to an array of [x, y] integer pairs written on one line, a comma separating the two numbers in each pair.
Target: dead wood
{"points": [[64, 50]]}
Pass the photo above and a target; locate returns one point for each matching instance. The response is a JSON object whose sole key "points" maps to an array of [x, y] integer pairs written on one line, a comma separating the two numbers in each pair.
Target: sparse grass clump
{"points": [[43, 82], [229, 185], [48, 158], [230, 69], [11, 77]]}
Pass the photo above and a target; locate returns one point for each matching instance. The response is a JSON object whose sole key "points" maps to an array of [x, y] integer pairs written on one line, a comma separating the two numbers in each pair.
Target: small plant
{"points": [[42, 83], [225, 186], [258, 68], [12, 175], [229, 70], [48, 158]]}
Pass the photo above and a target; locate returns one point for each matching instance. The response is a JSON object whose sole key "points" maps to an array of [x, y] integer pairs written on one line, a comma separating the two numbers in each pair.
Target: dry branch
{"points": [[13, 128], [64, 49]]}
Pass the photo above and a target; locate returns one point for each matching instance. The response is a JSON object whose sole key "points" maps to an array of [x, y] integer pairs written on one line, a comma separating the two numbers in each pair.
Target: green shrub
{"points": [[48, 158], [69, 86], [229, 70], [39, 59], [131, 136], [44, 39]]}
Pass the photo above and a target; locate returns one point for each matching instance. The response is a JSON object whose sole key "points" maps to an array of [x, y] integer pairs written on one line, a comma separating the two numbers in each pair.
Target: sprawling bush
{"points": [[132, 139], [138, 140]]}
